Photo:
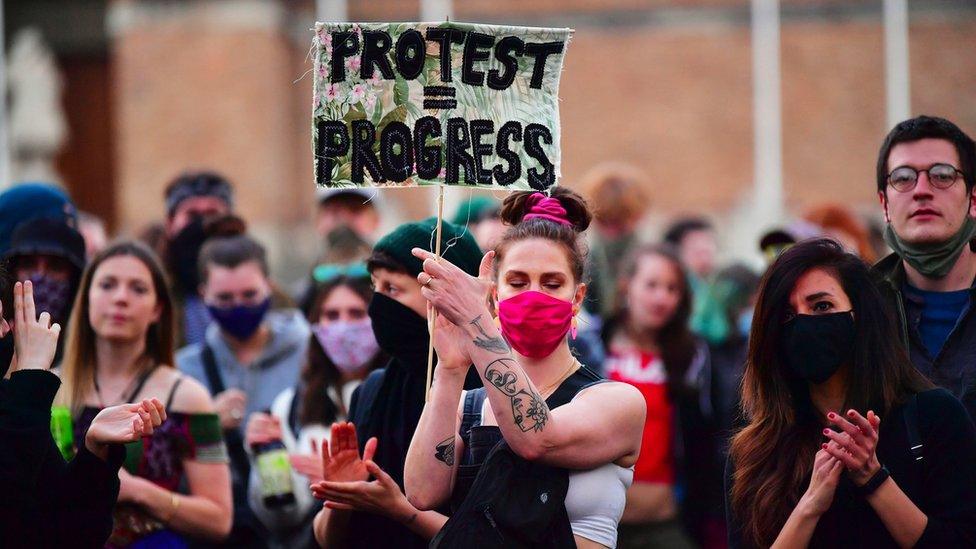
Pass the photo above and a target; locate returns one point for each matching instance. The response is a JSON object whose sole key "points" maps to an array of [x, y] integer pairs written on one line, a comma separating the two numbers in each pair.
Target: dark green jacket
{"points": [[954, 368]]}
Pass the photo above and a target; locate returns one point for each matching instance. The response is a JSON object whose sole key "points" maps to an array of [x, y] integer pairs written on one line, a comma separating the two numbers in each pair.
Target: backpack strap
{"points": [[915, 444], [214, 378], [233, 438], [292, 419]]}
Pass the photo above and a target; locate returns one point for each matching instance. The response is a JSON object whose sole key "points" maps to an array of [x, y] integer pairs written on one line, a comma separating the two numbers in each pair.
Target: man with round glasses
{"points": [[925, 177]]}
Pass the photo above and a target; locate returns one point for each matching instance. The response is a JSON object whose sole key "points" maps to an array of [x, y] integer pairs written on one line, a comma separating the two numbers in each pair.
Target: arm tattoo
{"points": [[496, 345], [445, 451], [528, 408]]}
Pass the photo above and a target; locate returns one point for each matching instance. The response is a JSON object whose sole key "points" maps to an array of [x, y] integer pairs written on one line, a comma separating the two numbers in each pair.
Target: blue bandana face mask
{"points": [[240, 321]]}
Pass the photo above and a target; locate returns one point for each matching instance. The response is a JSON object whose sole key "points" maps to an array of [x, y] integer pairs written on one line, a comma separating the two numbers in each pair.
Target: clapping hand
{"points": [[346, 486], [855, 445], [123, 423], [823, 482], [340, 457]]}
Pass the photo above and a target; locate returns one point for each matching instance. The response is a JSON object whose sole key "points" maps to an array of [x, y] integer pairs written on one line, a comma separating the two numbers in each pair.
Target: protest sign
{"points": [[407, 104]]}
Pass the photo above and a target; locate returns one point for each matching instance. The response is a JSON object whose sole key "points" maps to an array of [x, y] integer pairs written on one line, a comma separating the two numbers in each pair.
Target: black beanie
{"points": [[457, 245]]}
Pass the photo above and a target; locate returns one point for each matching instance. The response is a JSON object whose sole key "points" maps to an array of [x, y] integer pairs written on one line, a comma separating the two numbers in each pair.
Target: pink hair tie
{"points": [[544, 207]]}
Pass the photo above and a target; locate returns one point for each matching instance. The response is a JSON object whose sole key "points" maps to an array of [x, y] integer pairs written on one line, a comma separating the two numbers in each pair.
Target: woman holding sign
{"points": [[385, 408], [545, 428]]}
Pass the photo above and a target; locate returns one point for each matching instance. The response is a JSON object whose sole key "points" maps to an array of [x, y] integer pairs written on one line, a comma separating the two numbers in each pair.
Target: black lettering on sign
{"points": [[510, 131], [458, 142], [396, 151], [475, 49], [504, 50], [445, 37], [541, 52], [363, 137], [376, 44], [344, 44], [534, 133], [410, 52], [332, 142], [439, 97], [479, 149], [428, 156]]}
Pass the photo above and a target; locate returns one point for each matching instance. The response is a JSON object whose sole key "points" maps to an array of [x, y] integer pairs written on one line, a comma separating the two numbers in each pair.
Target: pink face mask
{"points": [[535, 323]]}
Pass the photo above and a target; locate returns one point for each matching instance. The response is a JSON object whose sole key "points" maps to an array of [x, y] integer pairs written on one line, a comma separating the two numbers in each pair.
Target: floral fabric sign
{"points": [[405, 104]]}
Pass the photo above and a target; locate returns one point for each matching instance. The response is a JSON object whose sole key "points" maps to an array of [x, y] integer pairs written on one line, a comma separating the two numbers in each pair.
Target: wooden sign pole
{"points": [[431, 325]]}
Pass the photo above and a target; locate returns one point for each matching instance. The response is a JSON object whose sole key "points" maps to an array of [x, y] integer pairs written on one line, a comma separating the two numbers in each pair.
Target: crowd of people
{"points": [[595, 384]]}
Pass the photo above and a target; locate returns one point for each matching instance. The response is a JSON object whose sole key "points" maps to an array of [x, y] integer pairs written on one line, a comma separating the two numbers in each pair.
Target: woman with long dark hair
{"points": [[651, 347], [176, 484], [343, 351], [846, 444]]}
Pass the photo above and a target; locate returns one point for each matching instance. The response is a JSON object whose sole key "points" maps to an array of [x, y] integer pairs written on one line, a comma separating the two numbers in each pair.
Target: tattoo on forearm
{"points": [[445, 451], [410, 520], [496, 345], [528, 408]]}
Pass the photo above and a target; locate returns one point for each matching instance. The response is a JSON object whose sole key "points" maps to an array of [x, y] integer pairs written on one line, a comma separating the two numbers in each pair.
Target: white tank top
{"points": [[595, 500]]}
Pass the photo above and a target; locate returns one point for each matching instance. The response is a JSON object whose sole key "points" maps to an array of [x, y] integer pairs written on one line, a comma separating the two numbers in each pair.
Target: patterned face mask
{"points": [[51, 295], [350, 345]]}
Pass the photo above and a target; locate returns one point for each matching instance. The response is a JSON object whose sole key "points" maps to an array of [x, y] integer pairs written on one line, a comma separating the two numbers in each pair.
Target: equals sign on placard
{"points": [[439, 97]]}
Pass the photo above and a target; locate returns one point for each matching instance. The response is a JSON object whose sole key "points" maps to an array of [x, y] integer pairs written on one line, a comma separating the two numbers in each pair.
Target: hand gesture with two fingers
{"points": [[35, 338]]}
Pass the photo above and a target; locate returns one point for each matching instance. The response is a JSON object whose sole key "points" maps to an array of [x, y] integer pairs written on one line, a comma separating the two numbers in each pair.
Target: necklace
{"points": [[573, 366], [140, 377]]}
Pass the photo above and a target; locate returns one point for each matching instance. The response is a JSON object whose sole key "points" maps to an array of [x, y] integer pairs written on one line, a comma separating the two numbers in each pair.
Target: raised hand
{"points": [[454, 293], [35, 338], [123, 423], [452, 353], [340, 457], [381, 496], [855, 445]]}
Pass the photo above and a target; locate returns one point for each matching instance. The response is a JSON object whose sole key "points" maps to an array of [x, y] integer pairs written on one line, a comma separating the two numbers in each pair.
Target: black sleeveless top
{"points": [[480, 439]]}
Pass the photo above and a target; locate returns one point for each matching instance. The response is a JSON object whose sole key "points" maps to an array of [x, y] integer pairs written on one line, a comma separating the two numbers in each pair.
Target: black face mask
{"points": [[816, 346], [399, 330], [183, 251]]}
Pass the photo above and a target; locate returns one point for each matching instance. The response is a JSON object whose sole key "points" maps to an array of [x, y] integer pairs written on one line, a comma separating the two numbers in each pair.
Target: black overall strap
{"points": [[912, 430], [581, 379], [471, 414], [140, 384]]}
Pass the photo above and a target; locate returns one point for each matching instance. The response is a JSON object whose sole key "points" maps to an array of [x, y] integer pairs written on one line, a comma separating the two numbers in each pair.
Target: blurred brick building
{"points": [[156, 86]]}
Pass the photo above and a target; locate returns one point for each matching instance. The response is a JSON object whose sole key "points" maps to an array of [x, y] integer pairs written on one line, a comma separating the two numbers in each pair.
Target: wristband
{"points": [[874, 482]]}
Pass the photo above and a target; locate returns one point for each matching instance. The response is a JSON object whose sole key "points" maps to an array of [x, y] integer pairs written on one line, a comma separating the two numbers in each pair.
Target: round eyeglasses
{"points": [[941, 176]]}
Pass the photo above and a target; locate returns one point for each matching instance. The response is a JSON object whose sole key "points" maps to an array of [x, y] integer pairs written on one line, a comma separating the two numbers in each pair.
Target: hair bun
{"points": [[563, 206], [541, 206]]}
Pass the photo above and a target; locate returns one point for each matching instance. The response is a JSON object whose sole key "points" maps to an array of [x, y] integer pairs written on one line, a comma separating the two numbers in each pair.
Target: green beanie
{"points": [[457, 245], [475, 209]]}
